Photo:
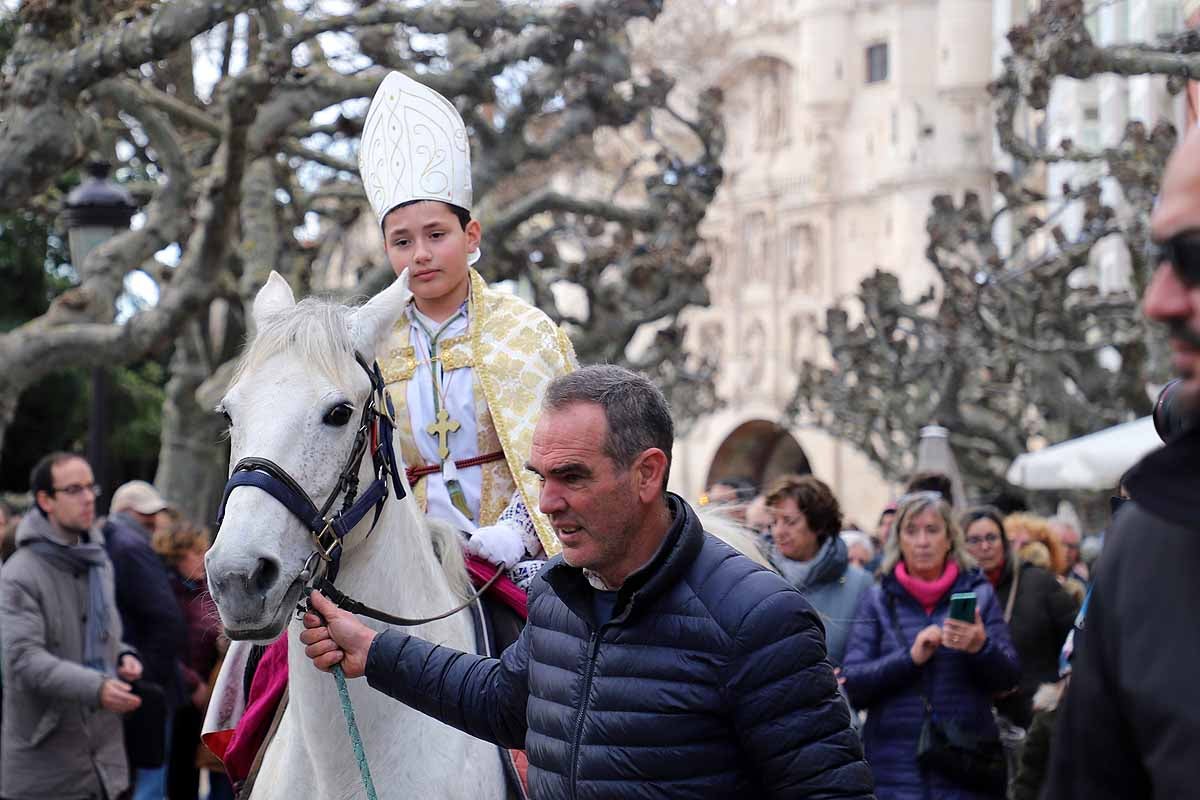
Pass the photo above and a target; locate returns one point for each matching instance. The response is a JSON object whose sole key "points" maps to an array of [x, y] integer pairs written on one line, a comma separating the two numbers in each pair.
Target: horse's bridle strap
{"points": [[347, 603], [264, 474], [377, 426]]}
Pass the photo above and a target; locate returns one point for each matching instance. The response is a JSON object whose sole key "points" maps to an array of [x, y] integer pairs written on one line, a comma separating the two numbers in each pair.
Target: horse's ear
{"points": [[371, 323], [274, 296]]}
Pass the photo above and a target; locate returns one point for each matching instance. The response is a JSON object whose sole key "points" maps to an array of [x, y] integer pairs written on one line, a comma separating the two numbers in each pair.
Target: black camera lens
{"points": [[1170, 414]]}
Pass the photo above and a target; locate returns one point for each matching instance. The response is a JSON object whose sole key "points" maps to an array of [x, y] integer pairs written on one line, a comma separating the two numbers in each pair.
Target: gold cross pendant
{"points": [[442, 428]]}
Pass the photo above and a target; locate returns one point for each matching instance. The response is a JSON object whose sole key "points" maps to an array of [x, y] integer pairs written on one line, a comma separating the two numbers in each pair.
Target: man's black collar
{"points": [[1164, 482], [678, 549]]}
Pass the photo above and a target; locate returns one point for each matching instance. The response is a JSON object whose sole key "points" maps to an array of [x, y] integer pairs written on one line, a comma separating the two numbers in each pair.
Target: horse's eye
{"points": [[339, 415]]}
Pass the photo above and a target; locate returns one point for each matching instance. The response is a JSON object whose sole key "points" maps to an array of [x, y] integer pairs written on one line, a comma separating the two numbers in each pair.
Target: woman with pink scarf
{"points": [[926, 680]]}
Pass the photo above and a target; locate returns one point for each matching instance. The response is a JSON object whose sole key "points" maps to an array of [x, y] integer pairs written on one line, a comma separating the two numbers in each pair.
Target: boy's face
{"points": [[427, 239]]}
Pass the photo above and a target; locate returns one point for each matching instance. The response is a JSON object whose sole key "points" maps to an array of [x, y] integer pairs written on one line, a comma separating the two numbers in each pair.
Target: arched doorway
{"points": [[758, 450]]}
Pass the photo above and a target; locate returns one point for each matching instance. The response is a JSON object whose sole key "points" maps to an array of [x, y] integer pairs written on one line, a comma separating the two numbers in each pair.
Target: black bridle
{"points": [[375, 429], [374, 433]]}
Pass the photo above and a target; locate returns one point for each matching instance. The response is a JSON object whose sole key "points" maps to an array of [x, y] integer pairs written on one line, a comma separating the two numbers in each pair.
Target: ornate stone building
{"points": [[1093, 114], [844, 118]]}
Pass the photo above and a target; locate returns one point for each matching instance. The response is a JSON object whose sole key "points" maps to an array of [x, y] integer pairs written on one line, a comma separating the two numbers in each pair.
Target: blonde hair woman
{"points": [[1027, 532], [1024, 528], [916, 671]]}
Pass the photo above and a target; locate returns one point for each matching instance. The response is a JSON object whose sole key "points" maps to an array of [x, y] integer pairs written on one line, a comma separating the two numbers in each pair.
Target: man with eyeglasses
{"points": [[1075, 569], [66, 671], [1130, 726]]}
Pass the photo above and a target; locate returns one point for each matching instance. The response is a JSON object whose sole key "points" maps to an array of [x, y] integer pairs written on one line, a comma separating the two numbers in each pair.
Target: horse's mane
{"points": [[316, 330], [448, 547]]}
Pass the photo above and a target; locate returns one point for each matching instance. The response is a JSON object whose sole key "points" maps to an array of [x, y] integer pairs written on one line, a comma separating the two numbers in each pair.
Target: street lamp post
{"points": [[94, 212], [934, 455]]}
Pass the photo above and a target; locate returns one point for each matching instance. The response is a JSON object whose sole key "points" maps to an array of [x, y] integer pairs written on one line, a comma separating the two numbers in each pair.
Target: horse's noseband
{"points": [[374, 434]]}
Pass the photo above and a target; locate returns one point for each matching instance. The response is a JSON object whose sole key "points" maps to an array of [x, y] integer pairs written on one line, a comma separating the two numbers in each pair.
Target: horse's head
{"points": [[296, 400]]}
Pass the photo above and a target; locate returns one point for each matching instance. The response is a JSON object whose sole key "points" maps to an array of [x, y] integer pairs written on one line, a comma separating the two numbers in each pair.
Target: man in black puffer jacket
{"points": [[657, 661], [1129, 725]]}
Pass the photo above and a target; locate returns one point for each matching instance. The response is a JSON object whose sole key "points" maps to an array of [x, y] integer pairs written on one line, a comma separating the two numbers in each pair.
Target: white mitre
{"points": [[414, 147]]}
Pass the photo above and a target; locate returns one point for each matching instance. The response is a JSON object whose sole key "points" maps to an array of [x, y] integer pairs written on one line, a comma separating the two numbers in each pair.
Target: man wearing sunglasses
{"points": [[1130, 726], [66, 672]]}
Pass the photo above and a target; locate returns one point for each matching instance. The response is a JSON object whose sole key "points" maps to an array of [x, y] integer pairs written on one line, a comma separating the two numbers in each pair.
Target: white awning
{"points": [[1096, 461]]}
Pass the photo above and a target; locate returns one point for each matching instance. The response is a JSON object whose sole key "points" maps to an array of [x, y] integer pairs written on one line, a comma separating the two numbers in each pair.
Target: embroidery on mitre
{"points": [[414, 146]]}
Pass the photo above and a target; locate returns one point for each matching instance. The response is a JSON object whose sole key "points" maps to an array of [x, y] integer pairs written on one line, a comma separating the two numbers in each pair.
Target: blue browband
{"points": [[374, 434]]}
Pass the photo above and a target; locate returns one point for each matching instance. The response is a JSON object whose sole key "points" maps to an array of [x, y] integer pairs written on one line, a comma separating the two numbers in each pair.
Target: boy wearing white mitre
{"points": [[466, 365]]}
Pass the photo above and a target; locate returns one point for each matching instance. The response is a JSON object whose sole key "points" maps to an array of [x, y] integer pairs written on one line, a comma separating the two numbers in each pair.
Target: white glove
{"points": [[502, 545]]}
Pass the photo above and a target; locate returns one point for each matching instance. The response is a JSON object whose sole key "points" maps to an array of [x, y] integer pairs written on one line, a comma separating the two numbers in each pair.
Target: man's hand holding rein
{"points": [[339, 638]]}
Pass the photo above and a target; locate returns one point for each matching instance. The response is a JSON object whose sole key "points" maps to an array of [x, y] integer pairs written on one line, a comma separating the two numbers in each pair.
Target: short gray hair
{"points": [[852, 538], [637, 414]]}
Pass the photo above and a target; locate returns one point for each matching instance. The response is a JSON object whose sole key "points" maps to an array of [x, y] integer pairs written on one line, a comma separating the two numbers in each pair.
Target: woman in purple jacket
{"points": [[905, 651]]}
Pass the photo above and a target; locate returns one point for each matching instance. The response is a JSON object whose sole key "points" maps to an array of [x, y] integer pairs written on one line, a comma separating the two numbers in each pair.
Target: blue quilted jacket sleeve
{"points": [[482, 696], [872, 670], [792, 723]]}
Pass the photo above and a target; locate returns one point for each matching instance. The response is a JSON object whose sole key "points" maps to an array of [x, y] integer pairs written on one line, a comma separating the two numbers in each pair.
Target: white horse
{"points": [[296, 401]]}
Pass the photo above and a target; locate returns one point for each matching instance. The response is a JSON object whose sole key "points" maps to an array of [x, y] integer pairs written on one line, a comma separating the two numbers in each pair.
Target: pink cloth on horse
{"points": [[266, 690], [237, 748], [504, 589]]}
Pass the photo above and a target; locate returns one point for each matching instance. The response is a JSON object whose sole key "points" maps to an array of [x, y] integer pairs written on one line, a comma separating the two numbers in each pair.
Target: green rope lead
{"points": [[360, 755]]}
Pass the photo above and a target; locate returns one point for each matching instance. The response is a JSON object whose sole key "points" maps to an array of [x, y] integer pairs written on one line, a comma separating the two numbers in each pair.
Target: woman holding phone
{"points": [[926, 679], [1038, 610]]}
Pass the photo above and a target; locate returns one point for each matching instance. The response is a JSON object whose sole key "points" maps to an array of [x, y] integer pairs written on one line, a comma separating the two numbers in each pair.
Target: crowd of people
{"points": [[110, 642], [884, 600], [951, 652]]}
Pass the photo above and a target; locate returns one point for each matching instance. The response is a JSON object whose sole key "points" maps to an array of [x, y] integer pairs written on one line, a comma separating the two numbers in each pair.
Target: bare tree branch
{"points": [[41, 128], [47, 344]]}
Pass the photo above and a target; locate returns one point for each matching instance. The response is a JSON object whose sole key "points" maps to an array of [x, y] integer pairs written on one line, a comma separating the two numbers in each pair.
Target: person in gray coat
{"points": [[809, 553], [65, 669]]}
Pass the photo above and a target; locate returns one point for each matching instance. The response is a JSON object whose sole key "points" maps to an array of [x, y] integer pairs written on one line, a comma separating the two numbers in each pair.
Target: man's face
{"points": [[72, 504], [428, 240], [1168, 298], [1070, 541], [591, 502], [148, 521]]}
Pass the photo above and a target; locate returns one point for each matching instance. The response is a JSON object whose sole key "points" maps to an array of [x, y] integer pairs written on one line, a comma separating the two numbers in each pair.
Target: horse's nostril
{"points": [[265, 575]]}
